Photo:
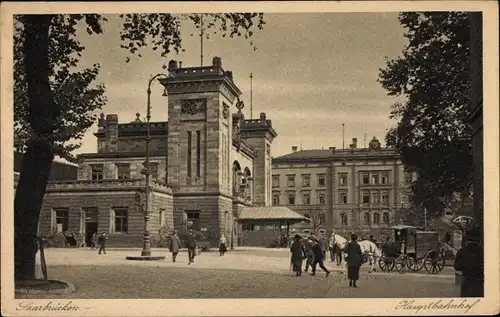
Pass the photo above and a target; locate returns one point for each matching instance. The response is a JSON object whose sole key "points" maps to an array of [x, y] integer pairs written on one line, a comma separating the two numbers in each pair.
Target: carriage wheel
{"points": [[434, 262], [401, 264], [386, 264], [414, 264]]}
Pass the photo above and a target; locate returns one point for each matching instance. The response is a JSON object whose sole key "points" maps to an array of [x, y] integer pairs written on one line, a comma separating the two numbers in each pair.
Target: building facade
{"points": [[357, 189], [215, 162]]}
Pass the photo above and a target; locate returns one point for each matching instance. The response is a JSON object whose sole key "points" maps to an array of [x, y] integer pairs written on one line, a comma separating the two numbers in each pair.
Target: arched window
{"points": [[247, 179], [376, 218], [385, 217], [236, 177], [343, 219], [366, 218]]}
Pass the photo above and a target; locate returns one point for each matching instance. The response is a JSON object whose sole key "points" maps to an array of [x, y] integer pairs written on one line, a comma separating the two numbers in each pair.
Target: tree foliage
{"points": [[75, 93], [432, 133]]}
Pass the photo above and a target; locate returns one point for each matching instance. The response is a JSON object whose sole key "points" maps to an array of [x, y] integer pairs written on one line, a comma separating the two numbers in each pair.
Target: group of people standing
{"points": [[313, 250], [175, 244]]}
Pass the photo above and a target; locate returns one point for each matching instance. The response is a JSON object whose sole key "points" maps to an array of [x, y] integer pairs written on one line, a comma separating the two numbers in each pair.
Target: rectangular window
{"points": [[162, 215], [189, 150], [291, 181], [306, 180], [123, 170], [343, 197], [276, 200], [276, 181], [306, 199], [121, 220], [291, 199], [62, 219], [343, 219], [366, 198], [385, 197], [408, 178], [193, 220], [374, 179], [198, 153], [153, 170], [365, 179], [384, 179], [97, 171], [321, 199], [343, 179], [321, 179], [375, 197]]}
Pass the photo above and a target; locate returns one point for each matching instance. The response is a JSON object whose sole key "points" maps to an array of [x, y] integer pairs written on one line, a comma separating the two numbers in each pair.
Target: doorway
{"points": [[91, 215], [90, 229]]}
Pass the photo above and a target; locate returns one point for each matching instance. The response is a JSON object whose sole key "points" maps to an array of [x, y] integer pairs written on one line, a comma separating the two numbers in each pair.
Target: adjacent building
{"points": [[355, 189]]}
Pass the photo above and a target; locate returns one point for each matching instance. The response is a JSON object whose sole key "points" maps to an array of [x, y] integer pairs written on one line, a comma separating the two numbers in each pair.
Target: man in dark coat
{"points": [[298, 254], [308, 244], [354, 260], [102, 242], [323, 241], [470, 261], [174, 245], [191, 245], [318, 258]]}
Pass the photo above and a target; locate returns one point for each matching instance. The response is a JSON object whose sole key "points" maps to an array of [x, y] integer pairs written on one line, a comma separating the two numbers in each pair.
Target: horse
{"points": [[369, 249], [371, 252], [341, 243]]}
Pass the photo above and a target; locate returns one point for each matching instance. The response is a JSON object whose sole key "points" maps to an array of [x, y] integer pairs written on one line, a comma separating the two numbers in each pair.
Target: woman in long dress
{"points": [[298, 254], [222, 245], [354, 260]]}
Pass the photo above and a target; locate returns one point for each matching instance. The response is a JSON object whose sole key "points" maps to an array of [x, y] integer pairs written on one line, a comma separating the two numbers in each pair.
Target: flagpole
{"points": [[201, 37]]}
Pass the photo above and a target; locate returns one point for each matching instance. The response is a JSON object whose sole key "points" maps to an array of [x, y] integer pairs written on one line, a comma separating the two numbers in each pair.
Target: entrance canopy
{"points": [[271, 213]]}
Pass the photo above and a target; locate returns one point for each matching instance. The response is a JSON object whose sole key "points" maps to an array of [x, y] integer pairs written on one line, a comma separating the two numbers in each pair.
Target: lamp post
{"points": [[146, 247]]}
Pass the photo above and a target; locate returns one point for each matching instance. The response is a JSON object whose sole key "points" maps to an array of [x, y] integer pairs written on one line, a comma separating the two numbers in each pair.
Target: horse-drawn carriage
{"points": [[412, 249]]}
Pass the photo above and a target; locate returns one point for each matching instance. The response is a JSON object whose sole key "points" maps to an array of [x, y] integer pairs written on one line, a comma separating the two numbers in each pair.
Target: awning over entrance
{"points": [[276, 213]]}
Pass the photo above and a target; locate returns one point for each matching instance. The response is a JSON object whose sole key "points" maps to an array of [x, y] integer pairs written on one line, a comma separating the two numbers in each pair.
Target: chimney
{"points": [[294, 149], [262, 116], [111, 132], [354, 143], [180, 64]]}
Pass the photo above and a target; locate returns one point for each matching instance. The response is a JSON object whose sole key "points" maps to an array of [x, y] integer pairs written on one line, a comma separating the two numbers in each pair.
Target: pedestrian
{"points": [[308, 244], [102, 242], [93, 241], [469, 260], [298, 254], [318, 258], [222, 245], [191, 246], [174, 245], [354, 260], [331, 245], [323, 242]]}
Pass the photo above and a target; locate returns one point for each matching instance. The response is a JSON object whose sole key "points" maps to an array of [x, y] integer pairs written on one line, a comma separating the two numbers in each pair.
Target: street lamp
{"points": [[146, 247]]}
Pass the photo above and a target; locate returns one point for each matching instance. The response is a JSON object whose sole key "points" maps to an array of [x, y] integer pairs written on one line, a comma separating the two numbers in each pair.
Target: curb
{"points": [[70, 288]]}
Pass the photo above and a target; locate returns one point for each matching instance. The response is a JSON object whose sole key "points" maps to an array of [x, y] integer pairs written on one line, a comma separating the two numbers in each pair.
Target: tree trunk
{"points": [[37, 160]]}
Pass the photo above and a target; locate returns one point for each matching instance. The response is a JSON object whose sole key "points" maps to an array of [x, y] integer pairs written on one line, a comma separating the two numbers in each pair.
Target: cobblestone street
{"points": [[263, 273]]}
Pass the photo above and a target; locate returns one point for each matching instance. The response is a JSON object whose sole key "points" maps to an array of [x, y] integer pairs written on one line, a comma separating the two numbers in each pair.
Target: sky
{"points": [[311, 73]]}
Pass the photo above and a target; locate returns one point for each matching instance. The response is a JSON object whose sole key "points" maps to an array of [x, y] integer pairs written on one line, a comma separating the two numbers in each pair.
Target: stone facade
{"points": [[214, 161], [358, 189]]}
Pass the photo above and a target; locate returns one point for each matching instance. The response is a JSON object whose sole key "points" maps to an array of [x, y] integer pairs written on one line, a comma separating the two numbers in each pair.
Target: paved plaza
{"points": [[258, 273]]}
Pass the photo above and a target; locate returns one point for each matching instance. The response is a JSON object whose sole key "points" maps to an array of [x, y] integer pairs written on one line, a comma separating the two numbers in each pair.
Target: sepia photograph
{"points": [[250, 151]]}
